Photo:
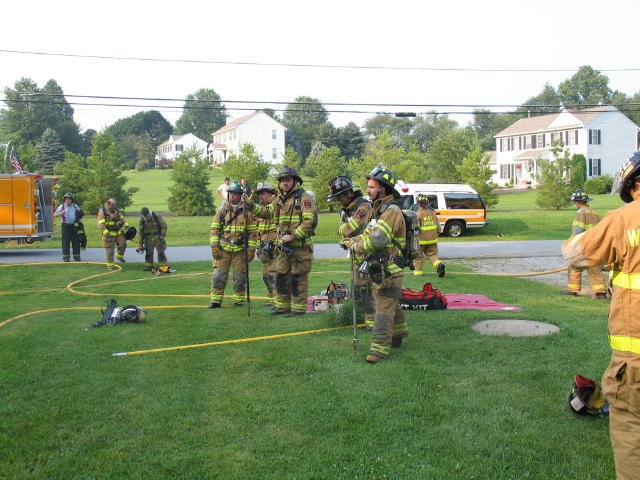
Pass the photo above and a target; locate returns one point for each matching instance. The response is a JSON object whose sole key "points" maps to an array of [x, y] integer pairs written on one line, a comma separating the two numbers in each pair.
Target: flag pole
{"points": [[6, 154]]}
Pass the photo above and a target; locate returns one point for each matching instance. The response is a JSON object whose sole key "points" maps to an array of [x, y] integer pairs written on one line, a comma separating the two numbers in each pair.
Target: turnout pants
{"points": [[362, 294], [389, 318], [431, 252], [70, 241], [292, 279], [221, 265], [596, 279], [269, 277], [620, 386], [114, 244], [151, 243]]}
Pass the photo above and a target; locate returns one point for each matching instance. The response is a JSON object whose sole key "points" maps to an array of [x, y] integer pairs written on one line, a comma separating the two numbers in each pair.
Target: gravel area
{"points": [[522, 265]]}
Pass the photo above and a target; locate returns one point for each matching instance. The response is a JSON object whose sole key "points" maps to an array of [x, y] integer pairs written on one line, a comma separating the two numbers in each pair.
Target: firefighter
{"points": [[585, 219], [70, 224], [233, 245], [616, 240], [294, 213], [355, 215], [266, 242], [153, 231], [113, 225], [377, 243], [429, 228]]}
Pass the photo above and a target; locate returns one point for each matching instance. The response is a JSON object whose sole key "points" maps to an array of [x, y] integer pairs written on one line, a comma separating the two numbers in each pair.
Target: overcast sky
{"points": [[423, 52]]}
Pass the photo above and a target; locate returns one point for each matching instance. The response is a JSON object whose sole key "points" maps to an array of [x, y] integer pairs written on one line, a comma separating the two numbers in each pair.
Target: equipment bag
{"points": [[428, 298], [337, 293]]}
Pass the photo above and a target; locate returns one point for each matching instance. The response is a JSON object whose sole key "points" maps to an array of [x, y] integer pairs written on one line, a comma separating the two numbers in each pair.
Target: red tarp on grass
{"points": [[471, 301]]}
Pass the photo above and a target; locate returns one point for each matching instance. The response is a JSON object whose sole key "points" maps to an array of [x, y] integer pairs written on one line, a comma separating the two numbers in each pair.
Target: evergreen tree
{"points": [[554, 190], [190, 194], [48, 152], [476, 172], [247, 164]]}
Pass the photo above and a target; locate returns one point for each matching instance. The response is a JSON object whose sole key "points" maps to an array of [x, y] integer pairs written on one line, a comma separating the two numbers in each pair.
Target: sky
{"points": [[380, 57]]}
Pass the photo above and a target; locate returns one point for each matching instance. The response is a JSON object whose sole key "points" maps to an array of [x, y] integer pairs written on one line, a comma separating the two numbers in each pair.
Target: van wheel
{"points": [[454, 228]]}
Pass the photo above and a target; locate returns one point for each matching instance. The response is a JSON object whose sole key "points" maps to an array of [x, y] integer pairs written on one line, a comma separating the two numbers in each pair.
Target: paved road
{"points": [[446, 250]]}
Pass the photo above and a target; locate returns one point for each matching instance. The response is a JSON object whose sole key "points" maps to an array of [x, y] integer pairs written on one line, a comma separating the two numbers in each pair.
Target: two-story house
{"points": [[258, 129], [604, 135], [168, 151]]}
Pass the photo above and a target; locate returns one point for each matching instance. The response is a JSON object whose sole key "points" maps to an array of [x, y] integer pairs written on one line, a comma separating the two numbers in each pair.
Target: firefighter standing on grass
{"points": [[294, 213], [429, 227], [616, 240], [378, 243], [356, 213], [266, 242], [233, 244], [113, 225], [584, 220], [153, 231]]}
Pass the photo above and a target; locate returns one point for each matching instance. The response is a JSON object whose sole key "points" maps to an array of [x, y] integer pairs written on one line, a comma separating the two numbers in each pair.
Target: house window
{"points": [[179, 147], [534, 141], [274, 134], [506, 171], [274, 153], [540, 140], [594, 137], [595, 167]]}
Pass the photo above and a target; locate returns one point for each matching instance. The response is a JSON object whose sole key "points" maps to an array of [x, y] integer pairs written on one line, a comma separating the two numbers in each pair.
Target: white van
{"points": [[457, 206]]}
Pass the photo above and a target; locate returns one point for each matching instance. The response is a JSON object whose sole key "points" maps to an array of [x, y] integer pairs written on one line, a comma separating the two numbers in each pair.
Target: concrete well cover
{"points": [[515, 328]]}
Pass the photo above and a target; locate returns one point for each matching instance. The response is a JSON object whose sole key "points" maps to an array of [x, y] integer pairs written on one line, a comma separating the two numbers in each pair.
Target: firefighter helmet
{"points": [[585, 398], [130, 233], [265, 187], [338, 185], [386, 177], [68, 195], [580, 196], [235, 187], [131, 313], [422, 200], [287, 171], [624, 182]]}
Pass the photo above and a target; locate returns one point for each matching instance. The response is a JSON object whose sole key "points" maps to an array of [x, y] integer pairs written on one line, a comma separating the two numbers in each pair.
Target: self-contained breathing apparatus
{"points": [[113, 315]]}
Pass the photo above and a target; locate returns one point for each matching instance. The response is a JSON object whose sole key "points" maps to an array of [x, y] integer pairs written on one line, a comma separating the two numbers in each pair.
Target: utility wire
{"points": [[309, 65]]}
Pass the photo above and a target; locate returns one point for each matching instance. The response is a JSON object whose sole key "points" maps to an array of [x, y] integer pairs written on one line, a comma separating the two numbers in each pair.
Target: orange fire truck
{"points": [[27, 204]]}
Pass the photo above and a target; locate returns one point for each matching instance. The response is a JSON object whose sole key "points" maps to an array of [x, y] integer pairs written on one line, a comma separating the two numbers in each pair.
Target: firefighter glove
{"points": [[216, 251], [346, 243]]}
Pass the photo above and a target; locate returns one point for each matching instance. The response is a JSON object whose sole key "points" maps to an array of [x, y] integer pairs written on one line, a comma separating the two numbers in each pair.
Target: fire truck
{"points": [[27, 204]]}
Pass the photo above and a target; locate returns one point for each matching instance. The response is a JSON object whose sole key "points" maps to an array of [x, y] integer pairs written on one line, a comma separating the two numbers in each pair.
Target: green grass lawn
{"points": [[449, 404]]}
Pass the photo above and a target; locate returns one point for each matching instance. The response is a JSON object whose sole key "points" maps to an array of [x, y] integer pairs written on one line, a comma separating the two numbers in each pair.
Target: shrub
{"points": [[597, 185]]}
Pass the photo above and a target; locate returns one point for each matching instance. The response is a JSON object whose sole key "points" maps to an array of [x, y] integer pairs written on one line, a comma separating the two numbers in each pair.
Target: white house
{"points": [[604, 135], [168, 151], [258, 129]]}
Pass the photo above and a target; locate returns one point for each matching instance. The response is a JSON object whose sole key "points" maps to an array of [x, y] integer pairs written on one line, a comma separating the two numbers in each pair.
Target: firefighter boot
{"points": [[373, 358], [440, 270]]}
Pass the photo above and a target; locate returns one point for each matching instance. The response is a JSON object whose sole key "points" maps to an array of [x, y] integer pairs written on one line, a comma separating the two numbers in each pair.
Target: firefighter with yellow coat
{"points": [[233, 243], [294, 213], [266, 242], [114, 227], [381, 243], [616, 240], [429, 227]]}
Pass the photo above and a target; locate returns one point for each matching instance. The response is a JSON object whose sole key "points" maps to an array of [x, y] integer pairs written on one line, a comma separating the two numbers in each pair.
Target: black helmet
{"points": [[144, 211], [386, 177], [130, 233], [624, 181], [235, 187], [585, 398], [580, 196], [422, 199], [338, 185], [68, 195], [265, 187], [287, 171]]}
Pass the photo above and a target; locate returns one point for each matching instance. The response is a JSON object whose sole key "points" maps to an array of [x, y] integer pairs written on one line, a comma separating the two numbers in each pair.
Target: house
{"points": [[604, 135], [168, 151], [258, 129]]}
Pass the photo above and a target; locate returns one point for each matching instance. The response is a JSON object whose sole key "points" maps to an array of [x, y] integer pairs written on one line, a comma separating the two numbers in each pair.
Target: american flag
{"points": [[15, 162]]}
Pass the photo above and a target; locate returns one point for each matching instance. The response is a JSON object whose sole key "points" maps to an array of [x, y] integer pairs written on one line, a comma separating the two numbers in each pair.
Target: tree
{"points": [[351, 141], [190, 194], [399, 127], [99, 178], [578, 173], [138, 151], [247, 164], [87, 138], [554, 190], [427, 127], [321, 167], [303, 118], [586, 87], [31, 110], [48, 152], [448, 151], [476, 172], [547, 101], [150, 123], [202, 114], [291, 158]]}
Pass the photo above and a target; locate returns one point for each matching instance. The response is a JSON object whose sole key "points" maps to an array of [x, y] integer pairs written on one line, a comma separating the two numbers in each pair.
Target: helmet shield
{"points": [[235, 187], [580, 196], [338, 185], [265, 187], [623, 182]]}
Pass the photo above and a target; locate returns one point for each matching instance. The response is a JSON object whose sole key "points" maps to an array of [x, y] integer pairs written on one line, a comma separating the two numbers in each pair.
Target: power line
{"points": [[309, 65]]}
